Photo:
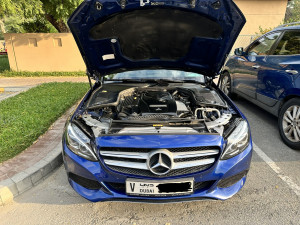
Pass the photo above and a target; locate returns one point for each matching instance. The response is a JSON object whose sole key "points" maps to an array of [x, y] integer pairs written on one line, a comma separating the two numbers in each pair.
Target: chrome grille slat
{"points": [[134, 165], [180, 155], [182, 165], [129, 155], [134, 160]]}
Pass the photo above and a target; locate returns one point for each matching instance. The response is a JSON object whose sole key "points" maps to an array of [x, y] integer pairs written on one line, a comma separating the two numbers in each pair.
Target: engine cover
{"points": [[157, 102]]}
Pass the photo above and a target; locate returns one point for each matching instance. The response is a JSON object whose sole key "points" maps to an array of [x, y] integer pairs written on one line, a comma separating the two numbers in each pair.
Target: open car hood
{"points": [[189, 35]]}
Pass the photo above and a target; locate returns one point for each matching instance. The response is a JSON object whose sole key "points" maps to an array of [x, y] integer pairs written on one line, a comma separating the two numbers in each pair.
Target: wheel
{"points": [[289, 123], [225, 84]]}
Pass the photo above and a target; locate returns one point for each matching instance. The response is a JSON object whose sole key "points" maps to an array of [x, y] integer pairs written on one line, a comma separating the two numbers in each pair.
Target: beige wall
{"points": [[59, 52], [43, 52], [264, 13], [259, 13]]}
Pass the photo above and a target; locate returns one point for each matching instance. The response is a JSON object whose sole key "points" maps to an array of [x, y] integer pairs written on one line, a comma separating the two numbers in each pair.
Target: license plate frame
{"points": [[159, 188]]}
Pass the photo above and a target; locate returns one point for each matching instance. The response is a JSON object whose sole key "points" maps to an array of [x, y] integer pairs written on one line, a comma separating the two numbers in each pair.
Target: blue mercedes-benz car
{"points": [[154, 127], [267, 74]]}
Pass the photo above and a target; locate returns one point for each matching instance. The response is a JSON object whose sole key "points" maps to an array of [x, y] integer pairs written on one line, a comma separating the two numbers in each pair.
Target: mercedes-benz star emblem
{"points": [[160, 162]]}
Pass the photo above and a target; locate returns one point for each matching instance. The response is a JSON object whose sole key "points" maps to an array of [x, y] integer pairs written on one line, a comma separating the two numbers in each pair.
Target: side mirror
{"points": [[239, 51]]}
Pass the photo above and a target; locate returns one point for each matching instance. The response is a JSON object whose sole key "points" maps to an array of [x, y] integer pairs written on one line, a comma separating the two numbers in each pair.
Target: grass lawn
{"points": [[23, 118], [4, 64]]}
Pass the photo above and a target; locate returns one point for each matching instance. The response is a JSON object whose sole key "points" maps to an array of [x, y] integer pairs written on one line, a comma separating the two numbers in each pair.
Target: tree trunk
{"points": [[59, 25], [2, 27]]}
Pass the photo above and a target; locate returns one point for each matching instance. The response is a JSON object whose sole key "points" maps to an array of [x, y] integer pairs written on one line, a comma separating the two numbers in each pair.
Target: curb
{"points": [[23, 181]]}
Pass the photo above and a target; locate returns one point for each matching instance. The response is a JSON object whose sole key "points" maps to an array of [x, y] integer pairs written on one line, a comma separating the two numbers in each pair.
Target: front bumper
{"points": [[231, 172]]}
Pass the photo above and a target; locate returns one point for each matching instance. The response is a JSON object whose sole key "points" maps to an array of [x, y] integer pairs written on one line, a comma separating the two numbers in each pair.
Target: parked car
{"points": [[3, 50], [267, 74], [154, 127]]}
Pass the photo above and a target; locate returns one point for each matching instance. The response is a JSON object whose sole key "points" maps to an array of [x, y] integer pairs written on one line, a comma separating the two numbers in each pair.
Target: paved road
{"points": [[269, 197]]}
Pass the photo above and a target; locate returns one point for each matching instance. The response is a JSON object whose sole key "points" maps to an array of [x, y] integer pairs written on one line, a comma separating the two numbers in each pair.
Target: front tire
{"points": [[289, 123]]}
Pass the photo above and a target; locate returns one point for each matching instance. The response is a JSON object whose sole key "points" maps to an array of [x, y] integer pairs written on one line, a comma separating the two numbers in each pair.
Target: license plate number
{"points": [[137, 187]]}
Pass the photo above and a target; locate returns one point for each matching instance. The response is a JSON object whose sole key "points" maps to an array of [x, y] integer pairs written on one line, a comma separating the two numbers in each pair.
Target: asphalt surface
{"points": [[269, 197]]}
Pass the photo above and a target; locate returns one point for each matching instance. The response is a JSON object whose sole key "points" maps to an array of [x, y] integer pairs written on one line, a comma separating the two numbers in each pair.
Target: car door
{"points": [[280, 69], [249, 65]]}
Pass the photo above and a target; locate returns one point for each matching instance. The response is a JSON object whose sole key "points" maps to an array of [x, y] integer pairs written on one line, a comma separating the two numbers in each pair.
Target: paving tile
{"points": [[45, 166], [3, 177], [35, 174], [11, 173]]}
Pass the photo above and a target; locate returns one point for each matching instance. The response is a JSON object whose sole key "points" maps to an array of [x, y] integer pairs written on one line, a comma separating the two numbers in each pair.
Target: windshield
{"points": [[158, 74]]}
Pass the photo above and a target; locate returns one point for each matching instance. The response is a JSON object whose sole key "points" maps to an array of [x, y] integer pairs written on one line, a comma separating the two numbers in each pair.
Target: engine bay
{"points": [[176, 108]]}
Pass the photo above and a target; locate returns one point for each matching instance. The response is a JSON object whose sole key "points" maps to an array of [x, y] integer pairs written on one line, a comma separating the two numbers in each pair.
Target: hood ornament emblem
{"points": [[160, 162]]}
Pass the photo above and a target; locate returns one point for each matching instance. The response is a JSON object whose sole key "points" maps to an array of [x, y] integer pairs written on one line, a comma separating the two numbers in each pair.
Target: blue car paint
{"points": [[224, 12], [270, 85], [98, 171]]}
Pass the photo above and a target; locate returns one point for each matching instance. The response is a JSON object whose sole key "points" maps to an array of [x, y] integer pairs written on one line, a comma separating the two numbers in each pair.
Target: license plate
{"points": [[159, 188]]}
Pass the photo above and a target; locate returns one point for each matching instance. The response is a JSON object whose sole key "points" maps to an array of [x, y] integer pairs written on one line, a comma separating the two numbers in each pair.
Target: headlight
{"points": [[237, 142], [79, 143]]}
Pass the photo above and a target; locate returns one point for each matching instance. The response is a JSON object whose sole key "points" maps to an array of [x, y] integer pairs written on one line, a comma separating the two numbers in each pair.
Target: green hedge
{"points": [[4, 64]]}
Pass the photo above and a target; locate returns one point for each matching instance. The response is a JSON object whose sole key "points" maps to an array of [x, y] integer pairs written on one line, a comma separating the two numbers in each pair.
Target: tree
{"points": [[293, 12], [56, 12], [37, 24], [13, 12]]}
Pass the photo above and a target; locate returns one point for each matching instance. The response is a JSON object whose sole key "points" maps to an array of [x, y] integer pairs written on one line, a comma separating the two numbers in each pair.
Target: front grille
{"points": [[203, 185], [148, 173], [133, 161], [121, 187]]}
